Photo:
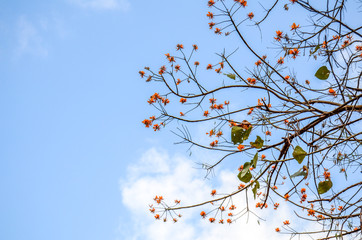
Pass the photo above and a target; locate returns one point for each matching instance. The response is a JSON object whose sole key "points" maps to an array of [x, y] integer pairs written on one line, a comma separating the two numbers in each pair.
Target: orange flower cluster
{"points": [[203, 214], [286, 196], [251, 81], [327, 175], [206, 113], [268, 133], [209, 66], [279, 35], [303, 198], [210, 15], [217, 30], [162, 70], [211, 133], [197, 63], [281, 60], [177, 68], [242, 2], [211, 25], [214, 143], [276, 205], [286, 222], [212, 220], [232, 207], [258, 63], [294, 52], [213, 192], [179, 46], [210, 3], [251, 15], [311, 212], [332, 92], [183, 100], [294, 27], [241, 147], [142, 73], [195, 47], [260, 205], [158, 199]]}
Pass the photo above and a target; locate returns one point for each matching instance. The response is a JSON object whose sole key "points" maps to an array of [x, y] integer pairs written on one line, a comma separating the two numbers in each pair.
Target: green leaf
{"points": [[299, 173], [255, 188], [299, 154], [245, 174], [239, 134], [322, 73], [255, 160], [258, 142], [315, 50], [246, 178], [324, 186], [230, 75]]}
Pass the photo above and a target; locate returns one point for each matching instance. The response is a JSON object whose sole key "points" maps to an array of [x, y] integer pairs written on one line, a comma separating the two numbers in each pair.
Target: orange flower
{"points": [[152, 210], [294, 26], [162, 70], [218, 70], [171, 59], [222, 208], [210, 15], [183, 100], [340, 208], [331, 91], [149, 78], [142, 73], [230, 214], [281, 60], [302, 190], [213, 192], [197, 63], [195, 47], [286, 196], [221, 221], [177, 201], [251, 81], [179, 46], [214, 143], [178, 81], [217, 30], [327, 175], [209, 66], [268, 133], [241, 147], [182, 114], [212, 100], [293, 1], [241, 186], [212, 220], [232, 207], [221, 64], [157, 216], [206, 113], [263, 156], [250, 111], [286, 222], [276, 205], [156, 127], [294, 52], [257, 63], [229, 220], [210, 3], [219, 134], [177, 67], [203, 214], [251, 15], [147, 123], [279, 35], [227, 102], [277, 230], [311, 212], [211, 25]]}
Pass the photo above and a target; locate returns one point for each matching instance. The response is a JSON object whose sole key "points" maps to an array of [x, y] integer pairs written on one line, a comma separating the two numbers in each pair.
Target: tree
{"points": [[299, 141]]}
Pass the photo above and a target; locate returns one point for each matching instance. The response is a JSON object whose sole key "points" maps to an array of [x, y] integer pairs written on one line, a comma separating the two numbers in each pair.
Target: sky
{"points": [[75, 161]]}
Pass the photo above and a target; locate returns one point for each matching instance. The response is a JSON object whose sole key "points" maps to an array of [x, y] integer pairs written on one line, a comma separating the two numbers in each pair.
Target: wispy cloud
{"points": [[123, 5], [176, 178], [29, 39]]}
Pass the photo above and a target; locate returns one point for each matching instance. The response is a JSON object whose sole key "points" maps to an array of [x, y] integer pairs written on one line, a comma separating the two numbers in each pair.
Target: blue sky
{"points": [[75, 159]]}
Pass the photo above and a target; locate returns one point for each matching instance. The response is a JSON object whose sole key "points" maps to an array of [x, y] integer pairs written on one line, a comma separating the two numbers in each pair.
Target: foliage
{"points": [[294, 121]]}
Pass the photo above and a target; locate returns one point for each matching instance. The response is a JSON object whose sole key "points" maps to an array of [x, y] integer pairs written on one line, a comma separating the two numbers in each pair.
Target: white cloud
{"points": [[29, 39], [123, 5], [176, 177]]}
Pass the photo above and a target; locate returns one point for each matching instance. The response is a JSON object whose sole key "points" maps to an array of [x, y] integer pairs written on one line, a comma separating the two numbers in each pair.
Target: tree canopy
{"points": [[296, 135]]}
